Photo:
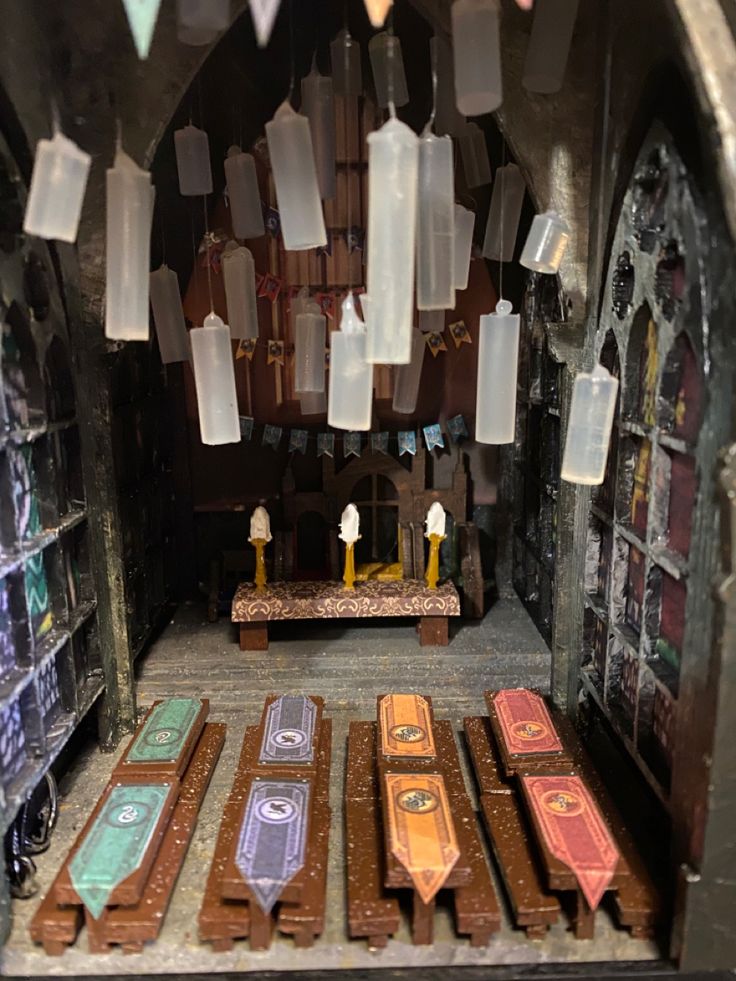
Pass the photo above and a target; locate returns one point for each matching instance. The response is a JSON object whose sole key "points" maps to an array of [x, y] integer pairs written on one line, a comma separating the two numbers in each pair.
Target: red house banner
{"points": [[525, 722], [574, 831]]}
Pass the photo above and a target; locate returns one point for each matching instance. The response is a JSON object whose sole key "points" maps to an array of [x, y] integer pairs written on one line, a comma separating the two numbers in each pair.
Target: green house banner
{"points": [[166, 730]]}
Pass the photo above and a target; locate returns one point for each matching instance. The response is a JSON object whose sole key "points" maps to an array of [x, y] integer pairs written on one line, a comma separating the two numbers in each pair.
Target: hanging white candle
{"points": [[498, 357], [503, 216], [264, 14], [435, 224], [387, 64], [295, 178], [549, 45], [447, 120], [592, 409], [431, 321], [309, 350], [243, 194], [200, 21], [239, 277], [464, 225], [546, 243], [168, 316], [318, 105], [347, 73], [350, 376], [477, 56], [128, 250], [58, 183], [312, 403], [474, 152], [142, 16], [193, 161], [392, 192], [408, 376], [377, 11], [214, 378]]}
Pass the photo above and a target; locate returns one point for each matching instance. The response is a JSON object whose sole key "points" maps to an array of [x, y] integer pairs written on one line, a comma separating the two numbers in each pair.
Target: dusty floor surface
{"points": [[348, 665]]}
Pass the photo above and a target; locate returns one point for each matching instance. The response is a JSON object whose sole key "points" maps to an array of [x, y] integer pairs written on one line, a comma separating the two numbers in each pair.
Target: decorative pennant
{"points": [[525, 722], [289, 731], [142, 16], [457, 428], [574, 831], [273, 837], [433, 437], [407, 443], [377, 11], [326, 303], [115, 845], [379, 442], [246, 427], [270, 287], [272, 436], [275, 352], [355, 239], [298, 441], [246, 348], [351, 444], [435, 342], [165, 732], [272, 221], [460, 333], [326, 444], [264, 14], [406, 726], [421, 830]]}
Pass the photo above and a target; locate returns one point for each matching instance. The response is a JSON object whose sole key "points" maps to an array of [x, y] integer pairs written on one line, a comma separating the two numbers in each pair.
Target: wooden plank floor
{"points": [[348, 663]]}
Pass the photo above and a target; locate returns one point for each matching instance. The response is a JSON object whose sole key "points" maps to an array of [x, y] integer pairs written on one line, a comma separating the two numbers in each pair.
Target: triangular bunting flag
{"points": [[275, 352], [272, 436], [460, 333], [407, 443], [326, 444], [246, 427], [351, 444], [457, 428], [379, 442], [435, 343], [264, 13], [298, 441], [246, 348], [433, 437], [142, 16]]}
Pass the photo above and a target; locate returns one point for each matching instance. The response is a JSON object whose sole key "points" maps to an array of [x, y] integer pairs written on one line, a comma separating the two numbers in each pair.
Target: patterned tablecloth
{"points": [[323, 600]]}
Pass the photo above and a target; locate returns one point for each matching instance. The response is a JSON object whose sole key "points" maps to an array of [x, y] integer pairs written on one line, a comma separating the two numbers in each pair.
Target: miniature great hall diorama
{"points": [[367, 487]]}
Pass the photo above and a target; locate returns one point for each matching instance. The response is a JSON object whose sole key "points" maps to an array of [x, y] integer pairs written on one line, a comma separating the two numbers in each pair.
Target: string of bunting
{"points": [[352, 442]]}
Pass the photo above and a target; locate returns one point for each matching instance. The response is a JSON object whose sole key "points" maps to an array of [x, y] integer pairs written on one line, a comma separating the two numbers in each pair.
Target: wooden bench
{"points": [[253, 608]]}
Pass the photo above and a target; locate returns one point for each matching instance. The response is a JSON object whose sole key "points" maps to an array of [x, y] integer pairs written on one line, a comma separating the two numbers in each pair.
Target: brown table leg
{"points": [[261, 927], [433, 631], [422, 921], [584, 918], [254, 636]]}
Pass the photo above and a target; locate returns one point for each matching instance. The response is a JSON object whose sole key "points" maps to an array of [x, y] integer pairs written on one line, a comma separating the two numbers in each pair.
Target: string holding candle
{"points": [[351, 377], [549, 46], [477, 56], [198, 22], [318, 105], [592, 409], [129, 200], [58, 184], [246, 213], [214, 379]]}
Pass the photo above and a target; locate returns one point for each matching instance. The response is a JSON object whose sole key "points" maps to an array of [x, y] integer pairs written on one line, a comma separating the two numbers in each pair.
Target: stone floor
{"points": [[348, 664]]}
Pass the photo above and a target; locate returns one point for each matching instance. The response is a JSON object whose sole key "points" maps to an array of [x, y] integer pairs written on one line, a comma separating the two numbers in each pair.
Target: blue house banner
{"points": [[407, 443]]}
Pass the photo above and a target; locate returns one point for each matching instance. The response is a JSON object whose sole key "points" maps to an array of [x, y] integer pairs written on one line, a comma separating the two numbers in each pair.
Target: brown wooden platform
{"points": [[373, 872], [137, 907], [229, 911], [253, 609]]}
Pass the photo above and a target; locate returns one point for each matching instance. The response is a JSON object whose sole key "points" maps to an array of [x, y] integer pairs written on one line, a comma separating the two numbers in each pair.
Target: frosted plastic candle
{"points": [[347, 74], [549, 45], [392, 192], [387, 64], [473, 150], [168, 316], [431, 321], [350, 376], [318, 105], [246, 213], [239, 276], [312, 403], [592, 409], [214, 378], [435, 224], [477, 55], [464, 225], [504, 214], [295, 177], [408, 376], [58, 183], [498, 356], [546, 243], [193, 161], [128, 250], [447, 120], [309, 350], [200, 21]]}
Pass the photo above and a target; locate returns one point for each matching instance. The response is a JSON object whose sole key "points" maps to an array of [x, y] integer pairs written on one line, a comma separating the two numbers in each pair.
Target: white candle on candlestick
{"points": [[350, 525], [435, 521], [260, 525]]}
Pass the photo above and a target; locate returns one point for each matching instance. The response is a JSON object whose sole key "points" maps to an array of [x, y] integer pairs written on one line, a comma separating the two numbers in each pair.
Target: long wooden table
{"points": [[254, 608]]}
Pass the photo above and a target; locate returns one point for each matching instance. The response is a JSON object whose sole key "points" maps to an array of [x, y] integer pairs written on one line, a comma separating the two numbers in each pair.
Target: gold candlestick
{"points": [[349, 575], [260, 577], [433, 565]]}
